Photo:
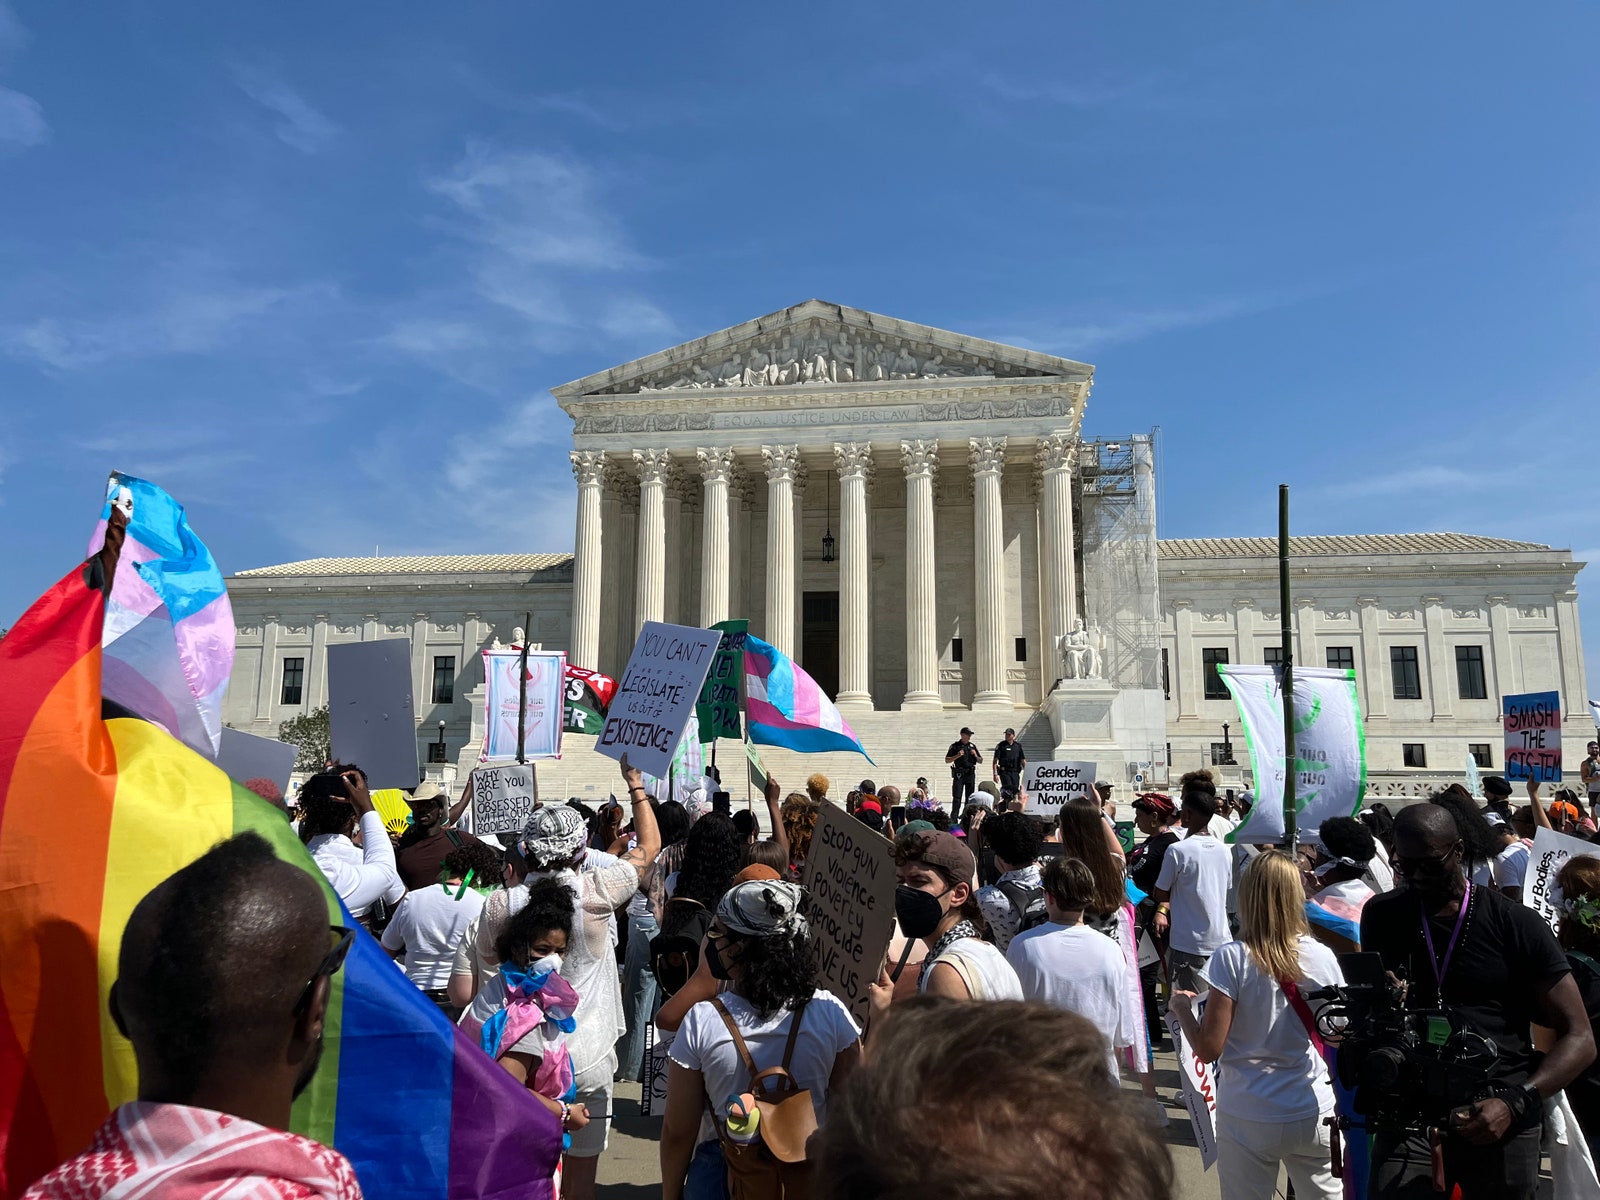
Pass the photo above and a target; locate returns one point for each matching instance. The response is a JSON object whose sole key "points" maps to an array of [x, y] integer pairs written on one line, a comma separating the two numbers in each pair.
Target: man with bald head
{"points": [[1496, 964], [222, 987]]}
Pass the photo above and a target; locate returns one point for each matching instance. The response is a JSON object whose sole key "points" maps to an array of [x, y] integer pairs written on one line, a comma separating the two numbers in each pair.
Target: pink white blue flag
{"points": [[785, 707], [168, 640], [1595, 710]]}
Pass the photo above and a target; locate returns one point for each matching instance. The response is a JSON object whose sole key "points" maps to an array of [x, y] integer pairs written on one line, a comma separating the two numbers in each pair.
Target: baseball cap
{"points": [[756, 871], [990, 788], [964, 729], [915, 827], [941, 850], [1561, 809], [1158, 803]]}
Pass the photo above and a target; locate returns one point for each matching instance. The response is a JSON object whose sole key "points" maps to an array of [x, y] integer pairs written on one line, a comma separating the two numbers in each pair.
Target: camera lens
{"points": [[1382, 1067]]}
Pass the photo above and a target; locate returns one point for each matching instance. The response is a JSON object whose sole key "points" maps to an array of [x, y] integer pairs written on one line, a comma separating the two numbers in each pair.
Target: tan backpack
{"points": [[774, 1166]]}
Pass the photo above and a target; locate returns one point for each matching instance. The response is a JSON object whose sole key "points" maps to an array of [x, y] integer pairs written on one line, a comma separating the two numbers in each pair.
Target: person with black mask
{"points": [[772, 1013], [1498, 967]]}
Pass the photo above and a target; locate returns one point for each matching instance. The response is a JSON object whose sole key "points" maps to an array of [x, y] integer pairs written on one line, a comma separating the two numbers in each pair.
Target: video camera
{"points": [[1409, 1068]]}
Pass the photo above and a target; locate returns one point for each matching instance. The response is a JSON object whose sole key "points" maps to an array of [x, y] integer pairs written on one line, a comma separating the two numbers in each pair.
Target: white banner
{"points": [[1330, 749], [1549, 854], [1049, 785], [1199, 1086], [547, 689]]}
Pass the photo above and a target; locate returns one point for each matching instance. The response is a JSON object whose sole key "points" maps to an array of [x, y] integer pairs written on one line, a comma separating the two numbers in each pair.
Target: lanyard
{"points": [[1440, 969]]}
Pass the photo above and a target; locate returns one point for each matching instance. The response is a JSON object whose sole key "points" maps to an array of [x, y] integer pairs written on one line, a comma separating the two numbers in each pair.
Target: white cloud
{"points": [[427, 339], [1416, 478], [301, 126], [1076, 339], [22, 122]]}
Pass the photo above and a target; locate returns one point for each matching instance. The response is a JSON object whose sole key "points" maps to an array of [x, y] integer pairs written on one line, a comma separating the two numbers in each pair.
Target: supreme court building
{"points": [[916, 517]]}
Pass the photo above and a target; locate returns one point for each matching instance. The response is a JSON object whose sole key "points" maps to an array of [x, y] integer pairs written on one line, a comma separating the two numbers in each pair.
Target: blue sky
{"points": [[313, 267]]}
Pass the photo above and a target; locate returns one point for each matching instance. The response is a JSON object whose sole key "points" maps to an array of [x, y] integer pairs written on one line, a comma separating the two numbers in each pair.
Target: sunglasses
{"points": [[343, 938]]}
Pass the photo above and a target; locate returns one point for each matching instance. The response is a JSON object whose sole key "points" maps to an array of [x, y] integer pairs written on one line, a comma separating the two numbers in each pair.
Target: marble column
{"points": [[1185, 660], [588, 468], [1442, 688], [716, 467], [267, 680], [921, 461], [650, 570], [1575, 704], [782, 465], [854, 463], [317, 663], [1055, 456], [1504, 681], [987, 457], [1374, 663]]}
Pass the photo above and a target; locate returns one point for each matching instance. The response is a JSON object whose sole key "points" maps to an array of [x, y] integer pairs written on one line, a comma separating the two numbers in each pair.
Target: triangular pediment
{"points": [[821, 345]]}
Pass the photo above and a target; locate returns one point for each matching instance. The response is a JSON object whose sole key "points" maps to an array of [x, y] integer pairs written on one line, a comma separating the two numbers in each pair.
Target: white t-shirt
{"points": [[1078, 969], [1270, 1071], [1195, 873], [362, 875], [1379, 874], [984, 970], [703, 1044], [1510, 867], [430, 923]]}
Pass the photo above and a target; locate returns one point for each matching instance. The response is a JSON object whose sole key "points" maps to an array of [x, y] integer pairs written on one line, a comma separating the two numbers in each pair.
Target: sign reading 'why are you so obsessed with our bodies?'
{"points": [[849, 880], [503, 798], [656, 695]]}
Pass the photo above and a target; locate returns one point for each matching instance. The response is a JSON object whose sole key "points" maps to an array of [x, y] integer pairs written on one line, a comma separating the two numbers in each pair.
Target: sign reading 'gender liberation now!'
{"points": [[657, 694], [1533, 736], [1051, 784]]}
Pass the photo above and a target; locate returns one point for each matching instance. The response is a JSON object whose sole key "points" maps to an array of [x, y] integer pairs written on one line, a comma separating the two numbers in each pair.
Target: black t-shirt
{"points": [[1144, 864], [1009, 758], [967, 756], [1505, 952], [1584, 1091]]}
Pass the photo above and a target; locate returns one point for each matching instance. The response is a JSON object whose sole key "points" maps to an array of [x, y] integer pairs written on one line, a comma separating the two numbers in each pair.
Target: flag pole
{"points": [[1290, 810], [522, 694]]}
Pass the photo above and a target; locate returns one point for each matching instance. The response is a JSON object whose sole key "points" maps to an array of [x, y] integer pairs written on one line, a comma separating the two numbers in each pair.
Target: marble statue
{"points": [[519, 637], [1080, 652]]}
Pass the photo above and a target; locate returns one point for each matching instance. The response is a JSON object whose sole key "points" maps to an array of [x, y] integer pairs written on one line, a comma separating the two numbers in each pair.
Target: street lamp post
{"points": [[1227, 746], [439, 750]]}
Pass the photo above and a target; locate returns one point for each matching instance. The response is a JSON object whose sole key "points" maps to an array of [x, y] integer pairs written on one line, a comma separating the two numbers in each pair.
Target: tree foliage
{"points": [[308, 731]]}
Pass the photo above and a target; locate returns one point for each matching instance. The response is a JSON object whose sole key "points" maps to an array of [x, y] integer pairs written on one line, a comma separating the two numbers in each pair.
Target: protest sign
{"points": [[758, 769], [503, 798], [542, 721], [1330, 751], [246, 756], [718, 709], [1533, 736], [1549, 853], [657, 694], [372, 719], [850, 881], [1199, 1086], [653, 1094], [1051, 784], [588, 696]]}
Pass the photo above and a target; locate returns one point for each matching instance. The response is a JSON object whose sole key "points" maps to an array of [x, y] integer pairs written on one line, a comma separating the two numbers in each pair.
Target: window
{"points": [[1022, 649], [1407, 678], [1222, 754], [1166, 676], [1482, 753], [1341, 658], [1272, 656], [1415, 753], [444, 679], [1470, 684], [1212, 657], [955, 650], [294, 675]]}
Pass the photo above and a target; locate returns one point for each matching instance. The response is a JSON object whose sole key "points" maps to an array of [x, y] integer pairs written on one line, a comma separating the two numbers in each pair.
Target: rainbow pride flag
{"points": [[785, 707], [96, 808], [168, 636]]}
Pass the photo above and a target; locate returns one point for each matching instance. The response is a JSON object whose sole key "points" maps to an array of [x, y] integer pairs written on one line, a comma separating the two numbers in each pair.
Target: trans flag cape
{"points": [[168, 637], [96, 808], [785, 707]]}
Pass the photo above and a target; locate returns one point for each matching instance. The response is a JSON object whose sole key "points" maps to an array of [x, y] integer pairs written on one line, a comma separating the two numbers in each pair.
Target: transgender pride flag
{"points": [[167, 645], [785, 707]]}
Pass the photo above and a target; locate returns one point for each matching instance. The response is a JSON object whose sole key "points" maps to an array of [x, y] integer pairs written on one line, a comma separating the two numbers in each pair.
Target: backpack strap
{"points": [[1291, 992], [738, 1038], [794, 1033]]}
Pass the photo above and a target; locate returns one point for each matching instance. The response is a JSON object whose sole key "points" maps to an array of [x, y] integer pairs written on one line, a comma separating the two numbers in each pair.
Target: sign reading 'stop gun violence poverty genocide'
{"points": [[850, 881], [656, 694], [1533, 736], [1051, 784]]}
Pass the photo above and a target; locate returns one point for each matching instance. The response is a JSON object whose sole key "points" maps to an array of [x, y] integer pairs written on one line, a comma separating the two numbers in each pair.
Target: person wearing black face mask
{"points": [[759, 945], [1497, 965]]}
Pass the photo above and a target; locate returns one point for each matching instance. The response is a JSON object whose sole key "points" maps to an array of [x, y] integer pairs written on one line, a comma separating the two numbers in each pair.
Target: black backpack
{"points": [[1027, 903], [675, 956]]}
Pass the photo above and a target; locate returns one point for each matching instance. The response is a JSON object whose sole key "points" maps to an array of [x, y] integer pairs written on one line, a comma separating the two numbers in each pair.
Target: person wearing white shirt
{"points": [[1191, 893], [1067, 965], [1273, 1093], [429, 925], [1509, 868], [333, 806]]}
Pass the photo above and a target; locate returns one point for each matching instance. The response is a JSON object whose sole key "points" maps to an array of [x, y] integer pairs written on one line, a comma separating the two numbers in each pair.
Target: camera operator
{"points": [[1495, 964]]}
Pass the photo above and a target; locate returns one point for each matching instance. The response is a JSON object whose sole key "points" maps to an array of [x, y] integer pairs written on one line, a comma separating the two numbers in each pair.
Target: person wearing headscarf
{"points": [[759, 944], [1341, 857]]}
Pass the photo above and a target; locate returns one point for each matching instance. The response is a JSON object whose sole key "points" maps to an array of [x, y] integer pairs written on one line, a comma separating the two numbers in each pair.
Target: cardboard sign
{"points": [[503, 798], [849, 881], [246, 756], [1051, 784], [372, 721], [718, 709], [657, 694], [1548, 854], [1533, 736], [653, 1093], [758, 770], [1199, 1086], [545, 715]]}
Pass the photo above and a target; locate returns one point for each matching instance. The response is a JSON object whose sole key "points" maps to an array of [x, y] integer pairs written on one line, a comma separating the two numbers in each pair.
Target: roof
{"points": [[428, 564], [1360, 544]]}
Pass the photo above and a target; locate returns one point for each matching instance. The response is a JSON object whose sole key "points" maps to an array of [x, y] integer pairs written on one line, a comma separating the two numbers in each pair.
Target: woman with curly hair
{"points": [[760, 945], [1479, 838], [799, 815], [347, 840]]}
